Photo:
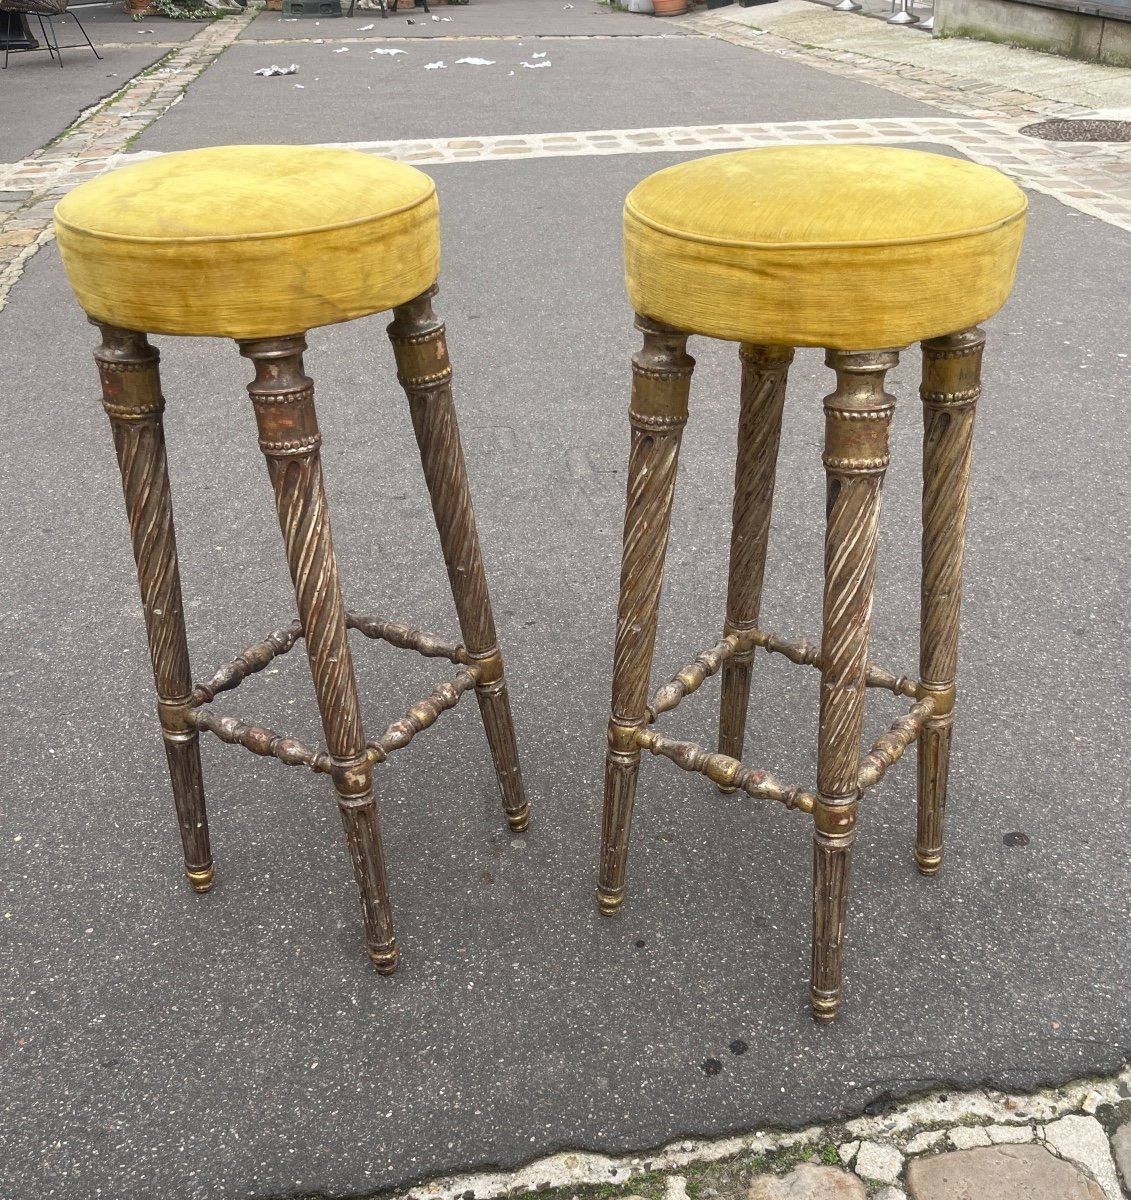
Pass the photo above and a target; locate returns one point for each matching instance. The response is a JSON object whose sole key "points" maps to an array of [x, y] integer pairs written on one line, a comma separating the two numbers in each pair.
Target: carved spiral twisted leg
{"points": [[661, 380], [283, 398], [951, 386], [131, 395], [764, 371], [857, 421], [425, 371]]}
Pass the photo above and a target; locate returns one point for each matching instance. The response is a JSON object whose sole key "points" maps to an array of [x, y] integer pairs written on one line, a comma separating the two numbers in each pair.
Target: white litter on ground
{"points": [[342, 50], [534, 66], [275, 69], [366, 27], [387, 50], [434, 66], [477, 62], [540, 54]]}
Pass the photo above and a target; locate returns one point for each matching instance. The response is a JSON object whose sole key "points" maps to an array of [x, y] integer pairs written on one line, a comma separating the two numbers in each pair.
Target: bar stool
{"points": [[259, 244], [856, 250]]}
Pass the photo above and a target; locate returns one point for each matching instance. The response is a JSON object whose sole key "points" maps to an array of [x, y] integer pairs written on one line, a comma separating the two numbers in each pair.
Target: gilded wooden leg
{"points": [[951, 386], [857, 420], [425, 373], [764, 371], [661, 380], [131, 395], [283, 398]]}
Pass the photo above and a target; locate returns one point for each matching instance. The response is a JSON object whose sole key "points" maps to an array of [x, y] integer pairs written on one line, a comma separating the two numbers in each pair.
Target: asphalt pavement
{"points": [[238, 1044], [349, 94], [39, 104]]}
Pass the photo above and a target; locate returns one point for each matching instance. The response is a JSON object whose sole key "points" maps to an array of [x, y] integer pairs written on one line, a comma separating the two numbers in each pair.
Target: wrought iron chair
{"points": [[41, 9]]}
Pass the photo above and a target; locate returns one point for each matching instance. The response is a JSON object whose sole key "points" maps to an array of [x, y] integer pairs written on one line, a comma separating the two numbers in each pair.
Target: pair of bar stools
{"points": [[854, 249]]}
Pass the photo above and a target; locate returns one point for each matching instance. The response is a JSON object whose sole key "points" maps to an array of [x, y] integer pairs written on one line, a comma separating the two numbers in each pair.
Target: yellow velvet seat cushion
{"points": [[249, 241], [846, 247]]}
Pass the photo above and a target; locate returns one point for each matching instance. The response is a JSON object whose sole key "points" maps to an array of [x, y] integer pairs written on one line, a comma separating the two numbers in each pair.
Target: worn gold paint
{"points": [[858, 416], [661, 380], [283, 399]]}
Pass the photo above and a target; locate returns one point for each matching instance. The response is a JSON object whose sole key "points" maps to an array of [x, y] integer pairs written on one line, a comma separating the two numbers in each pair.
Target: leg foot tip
{"points": [[824, 1010], [385, 960], [727, 791], [610, 902], [928, 864], [201, 878], [519, 821]]}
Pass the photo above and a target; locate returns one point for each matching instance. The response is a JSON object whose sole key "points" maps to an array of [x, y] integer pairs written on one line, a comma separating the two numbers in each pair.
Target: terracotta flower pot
{"points": [[669, 8]]}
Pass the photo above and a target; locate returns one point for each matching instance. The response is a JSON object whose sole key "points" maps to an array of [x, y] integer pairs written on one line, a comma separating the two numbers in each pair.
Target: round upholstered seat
{"points": [[249, 241], [846, 247]]}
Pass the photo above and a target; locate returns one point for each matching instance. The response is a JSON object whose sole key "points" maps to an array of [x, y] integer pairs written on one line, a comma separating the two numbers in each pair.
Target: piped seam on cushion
{"points": [[923, 239], [201, 239]]}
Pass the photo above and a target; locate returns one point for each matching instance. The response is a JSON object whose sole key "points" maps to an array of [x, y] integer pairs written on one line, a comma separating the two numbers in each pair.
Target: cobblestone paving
{"points": [[1065, 1130], [1094, 179]]}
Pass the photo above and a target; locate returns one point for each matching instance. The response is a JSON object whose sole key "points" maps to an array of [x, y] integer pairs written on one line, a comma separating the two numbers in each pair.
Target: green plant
{"points": [[183, 10]]}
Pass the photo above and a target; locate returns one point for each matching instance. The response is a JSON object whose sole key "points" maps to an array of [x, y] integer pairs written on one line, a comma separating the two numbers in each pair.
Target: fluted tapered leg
{"points": [[131, 395], [283, 398], [661, 380], [425, 373], [857, 421], [764, 371], [951, 386]]}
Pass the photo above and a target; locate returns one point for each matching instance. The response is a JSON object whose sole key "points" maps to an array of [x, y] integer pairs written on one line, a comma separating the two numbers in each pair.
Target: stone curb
{"points": [[872, 1153]]}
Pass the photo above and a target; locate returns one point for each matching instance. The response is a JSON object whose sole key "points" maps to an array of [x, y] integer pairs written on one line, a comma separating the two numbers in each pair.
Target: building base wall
{"points": [[1087, 35]]}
